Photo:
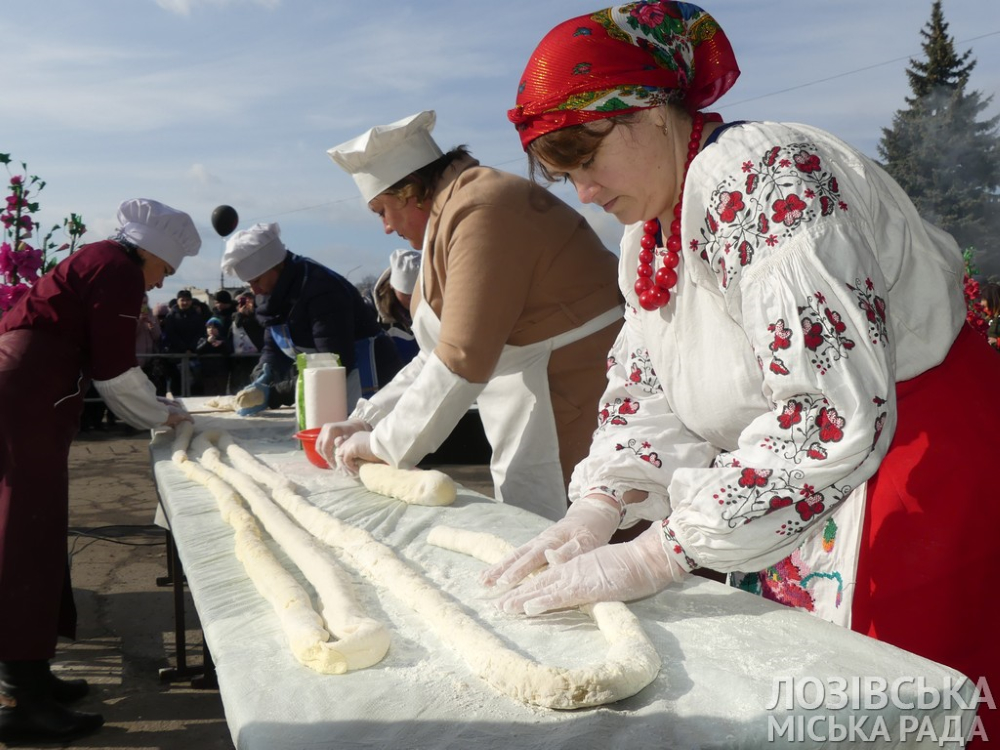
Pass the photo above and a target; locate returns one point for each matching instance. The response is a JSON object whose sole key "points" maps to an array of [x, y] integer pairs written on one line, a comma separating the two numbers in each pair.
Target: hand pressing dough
{"points": [[248, 398], [631, 663], [412, 486]]}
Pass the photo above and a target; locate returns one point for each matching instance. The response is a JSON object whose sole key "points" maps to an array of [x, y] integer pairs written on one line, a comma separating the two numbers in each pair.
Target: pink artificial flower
{"points": [[10, 294], [28, 260], [8, 263]]}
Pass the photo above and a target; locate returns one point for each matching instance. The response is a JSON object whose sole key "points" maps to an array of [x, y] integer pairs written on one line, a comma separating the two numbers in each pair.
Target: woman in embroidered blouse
{"points": [[793, 375]]}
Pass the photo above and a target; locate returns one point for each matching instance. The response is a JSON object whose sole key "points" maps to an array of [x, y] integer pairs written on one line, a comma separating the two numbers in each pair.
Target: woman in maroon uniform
{"points": [[76, 324]]}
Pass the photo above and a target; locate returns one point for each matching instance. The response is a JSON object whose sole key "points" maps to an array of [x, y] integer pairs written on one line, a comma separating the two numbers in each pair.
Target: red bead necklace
{"points": [[654, 289]]}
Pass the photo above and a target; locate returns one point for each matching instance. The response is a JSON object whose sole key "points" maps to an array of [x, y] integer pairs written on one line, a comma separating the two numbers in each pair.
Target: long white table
{"points": [[725, 653]]}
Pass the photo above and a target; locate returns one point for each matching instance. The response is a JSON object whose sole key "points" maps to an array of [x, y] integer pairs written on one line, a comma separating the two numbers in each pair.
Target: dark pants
{"points": [[42, 402]]}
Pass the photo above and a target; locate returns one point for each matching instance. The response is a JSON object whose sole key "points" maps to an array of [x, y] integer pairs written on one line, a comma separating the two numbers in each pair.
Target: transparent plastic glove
{"points": [[326, 443], [254, 397], [614, 572], [588, 523], [351, 451]]}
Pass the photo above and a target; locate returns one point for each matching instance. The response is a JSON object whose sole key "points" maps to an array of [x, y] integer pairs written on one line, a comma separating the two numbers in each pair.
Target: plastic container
{"points": [[308, 438]]}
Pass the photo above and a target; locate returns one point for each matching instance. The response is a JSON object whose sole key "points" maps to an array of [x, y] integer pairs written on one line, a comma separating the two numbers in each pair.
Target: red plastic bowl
{"points": [[308, 438]]}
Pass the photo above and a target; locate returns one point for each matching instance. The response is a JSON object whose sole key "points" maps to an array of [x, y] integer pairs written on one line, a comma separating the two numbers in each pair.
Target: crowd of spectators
{"points": [[190, 347]]}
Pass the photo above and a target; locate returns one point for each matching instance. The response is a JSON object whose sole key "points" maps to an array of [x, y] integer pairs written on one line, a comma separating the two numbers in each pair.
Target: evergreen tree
{"points": [[946, 160]]}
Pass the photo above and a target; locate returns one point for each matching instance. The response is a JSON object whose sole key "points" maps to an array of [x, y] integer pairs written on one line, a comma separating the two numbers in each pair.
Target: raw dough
{"points": [[412, 486], [631, 662], [362, 641]]}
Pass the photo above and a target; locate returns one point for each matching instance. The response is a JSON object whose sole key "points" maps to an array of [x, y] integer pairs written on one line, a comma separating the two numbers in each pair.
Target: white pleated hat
{"points": [[165, 232], [404, 267], [251, 252], [385, 154]]}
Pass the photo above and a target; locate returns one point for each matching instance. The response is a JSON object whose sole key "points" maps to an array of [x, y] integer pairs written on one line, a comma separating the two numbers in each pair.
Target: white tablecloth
{"points": [[723, 650]]}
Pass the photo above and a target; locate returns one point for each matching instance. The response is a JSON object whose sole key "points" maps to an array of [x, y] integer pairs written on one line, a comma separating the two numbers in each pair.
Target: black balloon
{"points": [[225, 219]]}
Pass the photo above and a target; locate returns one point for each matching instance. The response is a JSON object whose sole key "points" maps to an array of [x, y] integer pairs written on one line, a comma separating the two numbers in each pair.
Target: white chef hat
{"points": [[384, 155], [253, 251], [165, 232], [404, 266]]}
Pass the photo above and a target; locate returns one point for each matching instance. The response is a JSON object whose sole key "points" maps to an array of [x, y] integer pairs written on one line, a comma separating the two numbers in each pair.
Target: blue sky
{"points": [[197, 103]]}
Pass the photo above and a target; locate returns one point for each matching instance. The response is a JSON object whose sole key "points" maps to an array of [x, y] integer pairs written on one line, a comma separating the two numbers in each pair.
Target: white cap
{"points": [[384, 155], [253, 251], [165, 232], [404, 267]]}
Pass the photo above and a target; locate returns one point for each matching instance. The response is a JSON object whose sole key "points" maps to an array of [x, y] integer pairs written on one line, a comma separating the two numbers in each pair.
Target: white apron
{"points": [[516, 411]]}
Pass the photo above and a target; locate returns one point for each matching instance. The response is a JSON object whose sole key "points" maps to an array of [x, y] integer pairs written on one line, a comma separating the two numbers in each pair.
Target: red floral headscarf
{"points": [[622, 59]]}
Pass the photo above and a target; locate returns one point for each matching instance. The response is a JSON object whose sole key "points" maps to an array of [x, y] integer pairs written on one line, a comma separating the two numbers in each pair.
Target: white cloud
{"points": [[185, 7], [200, 174]]}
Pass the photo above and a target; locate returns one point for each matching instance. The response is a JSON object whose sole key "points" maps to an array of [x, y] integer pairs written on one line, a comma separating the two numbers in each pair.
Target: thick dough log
{"points": [[412, 486], [630, 664]]}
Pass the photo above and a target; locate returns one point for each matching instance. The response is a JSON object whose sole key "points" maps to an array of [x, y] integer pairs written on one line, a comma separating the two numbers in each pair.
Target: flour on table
{"points": [[222, 403]]}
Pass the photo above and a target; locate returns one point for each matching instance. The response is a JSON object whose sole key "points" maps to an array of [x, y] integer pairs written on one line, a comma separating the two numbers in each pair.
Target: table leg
{"points": [[203, 676]]}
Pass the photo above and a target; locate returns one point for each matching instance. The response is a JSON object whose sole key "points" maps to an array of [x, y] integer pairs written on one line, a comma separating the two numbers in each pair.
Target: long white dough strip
{"points": [[361, 640], [632, 664]]}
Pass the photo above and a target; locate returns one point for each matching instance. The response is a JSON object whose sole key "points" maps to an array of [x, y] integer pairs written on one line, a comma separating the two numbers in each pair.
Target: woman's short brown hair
{"points": [[569, 147], [421, 183]]}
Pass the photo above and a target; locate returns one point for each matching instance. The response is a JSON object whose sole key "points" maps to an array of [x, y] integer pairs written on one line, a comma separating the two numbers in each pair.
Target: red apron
{"points": [[929, 555], [42, 401]]}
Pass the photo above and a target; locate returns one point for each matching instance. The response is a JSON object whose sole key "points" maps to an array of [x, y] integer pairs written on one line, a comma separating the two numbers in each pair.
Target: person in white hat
{"points": [[515, 310], [306, 308], [76, 324], [391, 297]]}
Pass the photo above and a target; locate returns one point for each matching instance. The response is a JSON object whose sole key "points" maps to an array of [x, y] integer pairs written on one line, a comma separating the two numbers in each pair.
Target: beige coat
{"points": [[508, 263]]}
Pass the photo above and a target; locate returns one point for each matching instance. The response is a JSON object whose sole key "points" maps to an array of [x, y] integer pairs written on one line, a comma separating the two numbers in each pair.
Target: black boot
{"points": [[68, 691], [29, 711]]}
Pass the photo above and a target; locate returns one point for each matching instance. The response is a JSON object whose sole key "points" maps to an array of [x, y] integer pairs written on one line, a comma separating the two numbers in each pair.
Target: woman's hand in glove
{"points": [[612, 573], [588, 524], [333, 433], [352, 451]]}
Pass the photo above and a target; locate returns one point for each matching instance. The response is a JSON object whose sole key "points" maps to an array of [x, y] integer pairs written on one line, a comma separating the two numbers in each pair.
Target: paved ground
{"points": [[126, 621]]}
